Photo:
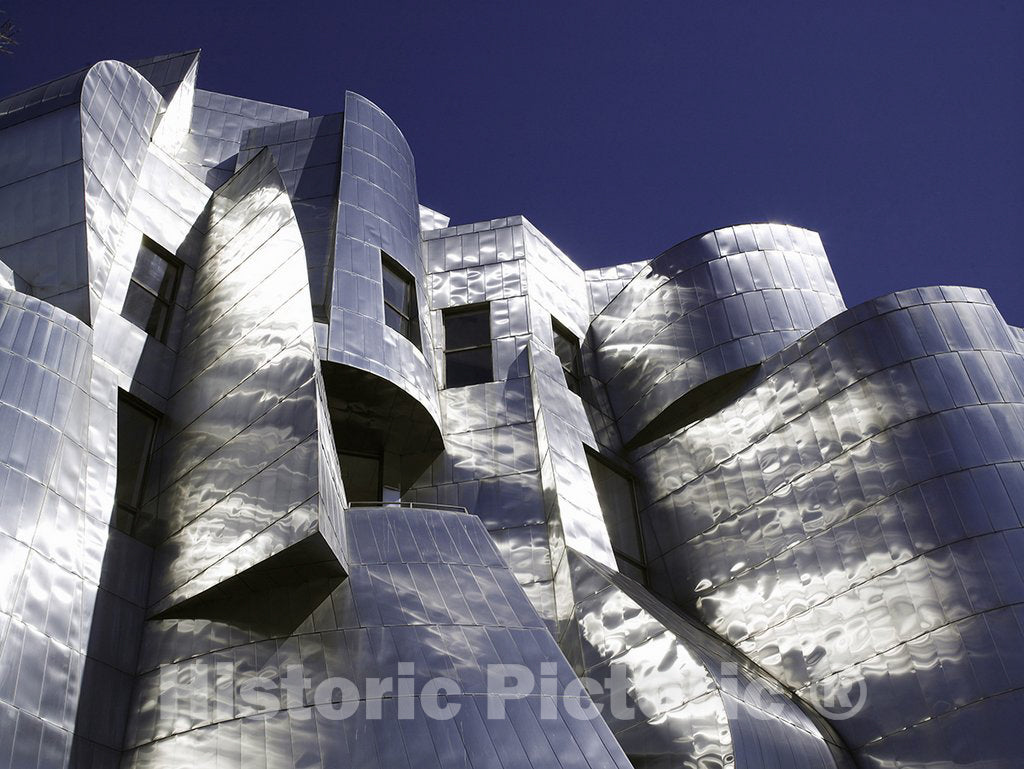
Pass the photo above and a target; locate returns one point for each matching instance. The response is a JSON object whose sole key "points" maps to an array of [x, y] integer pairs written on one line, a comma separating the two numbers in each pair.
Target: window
{"points": [[150, 298], [136, 428], [361, 474], [399, 300], [618, 506], [467, 345], [567, 348]]}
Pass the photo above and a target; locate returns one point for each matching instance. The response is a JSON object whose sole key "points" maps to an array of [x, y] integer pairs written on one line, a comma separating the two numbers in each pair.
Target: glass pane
{"points": [[393, 320], [170, 284], [150, 269], [571, 380], [468, 367], [397, 290], [567, 348], [407, 327], [361, 476], [630, 569], [615, 495], [139, 305], [135, 429], [157, 320], [468, 328]]}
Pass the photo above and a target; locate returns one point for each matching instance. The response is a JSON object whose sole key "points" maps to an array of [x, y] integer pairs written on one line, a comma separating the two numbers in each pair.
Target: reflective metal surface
{"points": [[696, 700], [850, 520], [230, 490], [706, 307], [786, 533], [426, 587]]}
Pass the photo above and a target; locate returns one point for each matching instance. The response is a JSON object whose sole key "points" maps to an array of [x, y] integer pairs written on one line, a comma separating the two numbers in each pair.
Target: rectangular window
{"points": [[618, 506], [467, 345], [399, 299], [150, 298], [567, 348], [361, 474], [136, 429]]}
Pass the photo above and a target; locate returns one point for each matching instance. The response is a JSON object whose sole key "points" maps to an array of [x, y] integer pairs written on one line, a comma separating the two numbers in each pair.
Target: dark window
{"points": [[136, 428], [467, 345], [361, 474], [150, 298], [399, 300], [618, 506], [567, 348]]}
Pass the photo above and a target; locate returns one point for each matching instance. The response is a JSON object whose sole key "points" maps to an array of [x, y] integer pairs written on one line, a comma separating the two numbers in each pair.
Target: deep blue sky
{"points": [[896, 130]]}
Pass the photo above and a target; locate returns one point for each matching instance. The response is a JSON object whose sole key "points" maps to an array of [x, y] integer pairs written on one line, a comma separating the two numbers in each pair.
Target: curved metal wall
{"points": [[843, 507], [854, 520], [84, 139], [210, 150], [51, 543], [713, 304], [119, 109], [695, 700], [426, 587], [234, 490], [378, 211], [308, 155], [174, 77]]}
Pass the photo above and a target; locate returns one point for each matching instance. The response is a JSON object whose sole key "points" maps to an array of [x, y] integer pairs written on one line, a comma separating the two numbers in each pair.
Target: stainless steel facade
{"points": [[236, 446]]}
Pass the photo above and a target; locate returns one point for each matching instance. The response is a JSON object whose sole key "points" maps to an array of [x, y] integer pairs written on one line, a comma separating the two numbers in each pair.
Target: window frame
{"points": [[594, 457], [379, 458], [127, 511], [467, 309], [388, 263], [573, 372], [168, 302]]}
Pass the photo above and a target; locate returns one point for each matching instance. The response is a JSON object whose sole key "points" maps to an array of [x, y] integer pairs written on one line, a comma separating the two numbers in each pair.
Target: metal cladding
{"points": [[710, 306], [295, 473], [425, 587], [247, 348], [377, 212], [855, 515], [720, 717], [51, 549], [80, 143]]}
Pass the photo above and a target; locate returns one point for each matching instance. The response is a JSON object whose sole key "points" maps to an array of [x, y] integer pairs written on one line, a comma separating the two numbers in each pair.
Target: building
{"points": [[263, 414]]}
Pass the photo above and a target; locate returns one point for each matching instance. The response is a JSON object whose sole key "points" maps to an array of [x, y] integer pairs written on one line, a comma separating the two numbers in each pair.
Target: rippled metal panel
{"points": [[852, 520], [219, 122], [432, 220], [425, 587], [118, 112], [837, 496], [515, 446], [174, 77], [491, 464], [378, 211], [711, 305], [88, 137], [51, 542], [695, 700], [41, 159], [168, 72], [605, 283], [570, 497], [7, 279], [308, 156], [239, 458]]}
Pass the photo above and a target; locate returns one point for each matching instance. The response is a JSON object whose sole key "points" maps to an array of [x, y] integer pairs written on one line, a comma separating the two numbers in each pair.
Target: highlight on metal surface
{"points": [[686, 511]]}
